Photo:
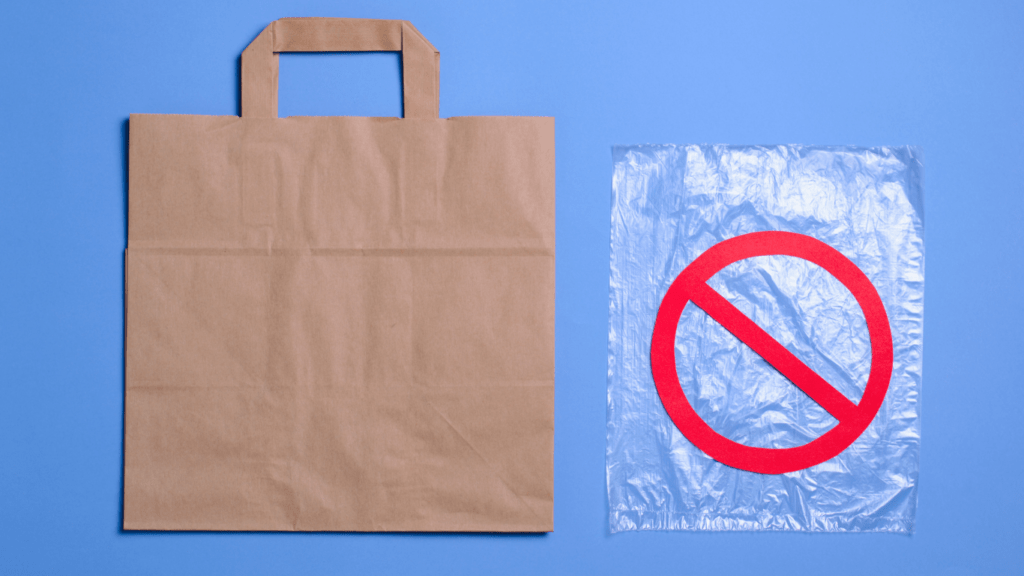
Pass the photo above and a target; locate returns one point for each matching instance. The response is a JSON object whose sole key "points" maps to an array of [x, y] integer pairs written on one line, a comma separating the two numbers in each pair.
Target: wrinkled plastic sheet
{"points": [[670, 204]]}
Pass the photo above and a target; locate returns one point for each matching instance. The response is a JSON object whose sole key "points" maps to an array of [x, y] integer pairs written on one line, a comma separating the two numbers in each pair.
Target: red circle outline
{"points": [[666, 377]]}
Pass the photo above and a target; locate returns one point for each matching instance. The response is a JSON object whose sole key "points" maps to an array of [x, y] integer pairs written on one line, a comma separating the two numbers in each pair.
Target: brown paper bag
{"points": [[339, 323]]}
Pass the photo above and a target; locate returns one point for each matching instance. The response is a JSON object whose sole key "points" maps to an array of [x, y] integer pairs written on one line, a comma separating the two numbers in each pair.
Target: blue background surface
{"points": [[948, 77]]}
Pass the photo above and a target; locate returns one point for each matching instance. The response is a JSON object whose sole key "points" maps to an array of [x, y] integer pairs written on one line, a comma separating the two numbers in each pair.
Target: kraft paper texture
{"points": [[339, 323]]}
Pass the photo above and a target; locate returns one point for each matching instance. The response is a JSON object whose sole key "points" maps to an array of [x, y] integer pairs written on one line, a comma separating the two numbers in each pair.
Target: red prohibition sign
{"points": [[691, 286]]}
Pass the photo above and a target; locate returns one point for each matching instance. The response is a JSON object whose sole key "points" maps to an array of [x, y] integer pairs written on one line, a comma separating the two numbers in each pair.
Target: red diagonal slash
{"points": [[771, 350]]}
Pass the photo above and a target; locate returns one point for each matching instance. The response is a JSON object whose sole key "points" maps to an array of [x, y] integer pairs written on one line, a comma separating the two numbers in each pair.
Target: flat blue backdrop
{"points": [[948, 77]]}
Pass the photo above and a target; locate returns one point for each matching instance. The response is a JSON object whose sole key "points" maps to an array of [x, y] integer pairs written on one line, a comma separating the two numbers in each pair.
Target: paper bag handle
{"points": [[420, 60]]}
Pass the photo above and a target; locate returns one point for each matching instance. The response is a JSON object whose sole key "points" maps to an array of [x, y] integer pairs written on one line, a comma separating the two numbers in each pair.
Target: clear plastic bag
{"points": [[672, 203]]}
